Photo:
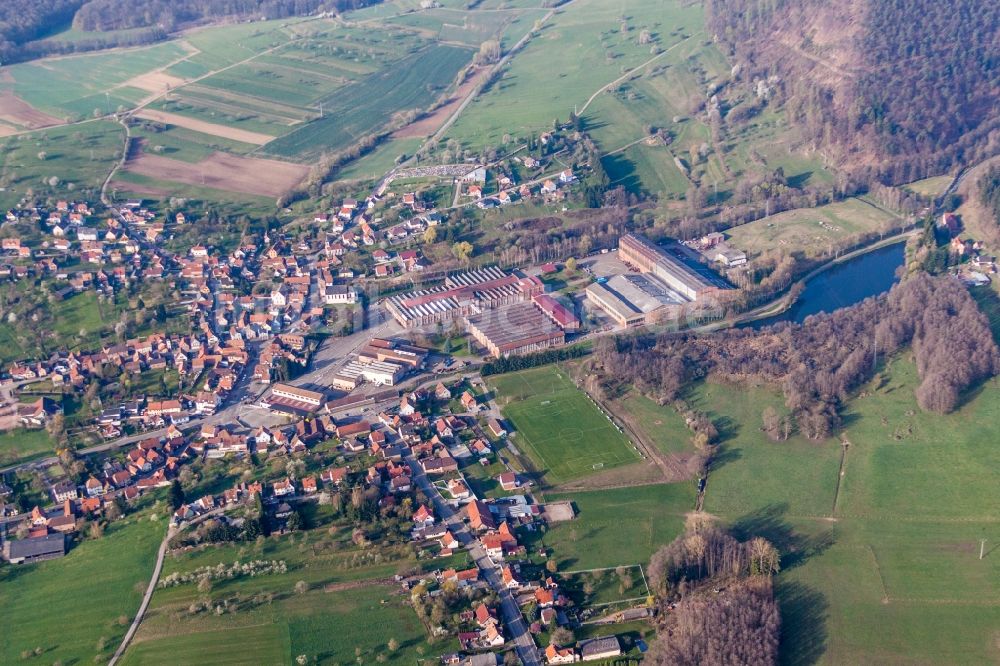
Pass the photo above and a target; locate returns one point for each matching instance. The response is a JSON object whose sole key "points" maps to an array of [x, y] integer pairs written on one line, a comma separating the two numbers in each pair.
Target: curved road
{"points": [[145, 598], [154, 579]]}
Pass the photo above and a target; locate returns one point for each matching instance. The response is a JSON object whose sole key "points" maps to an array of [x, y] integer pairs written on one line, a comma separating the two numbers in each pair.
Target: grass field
{"points": [[661, 425], [375, 164], [930, 187], [78, 158], [321, 625], [363, 612], [94, 585], [558, 426], [608, 585], [581, 49], [21, 444], [74, 87], [886, 570], [621, 526], [810, 230]]}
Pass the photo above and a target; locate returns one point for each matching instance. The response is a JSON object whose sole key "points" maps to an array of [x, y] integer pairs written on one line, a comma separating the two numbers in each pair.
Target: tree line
{"points": [[515, 363], [818, 363], [989, 193], [169, 14], [22, 21]]}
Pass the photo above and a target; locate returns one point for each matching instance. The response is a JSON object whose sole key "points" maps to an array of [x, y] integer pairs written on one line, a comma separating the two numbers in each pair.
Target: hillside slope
{"points": [[895, 89]]}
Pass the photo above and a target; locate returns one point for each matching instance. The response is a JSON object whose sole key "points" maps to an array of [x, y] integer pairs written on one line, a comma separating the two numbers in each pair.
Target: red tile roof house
{"points": [[554, 655], [423, 517], [486, 616], [334, 475], [480, 517], [283, 488]]}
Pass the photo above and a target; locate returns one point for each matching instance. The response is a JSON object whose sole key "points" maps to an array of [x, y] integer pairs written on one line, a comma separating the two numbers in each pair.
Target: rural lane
{"points": [[145, 598], [155, 578]]}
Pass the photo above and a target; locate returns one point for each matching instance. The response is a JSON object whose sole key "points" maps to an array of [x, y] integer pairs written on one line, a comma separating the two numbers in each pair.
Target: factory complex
{"points": [[506, 313], [663, 286]]}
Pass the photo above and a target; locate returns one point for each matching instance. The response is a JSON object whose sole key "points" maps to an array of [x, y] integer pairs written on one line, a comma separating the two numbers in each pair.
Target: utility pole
{"points": [[982, 547]]}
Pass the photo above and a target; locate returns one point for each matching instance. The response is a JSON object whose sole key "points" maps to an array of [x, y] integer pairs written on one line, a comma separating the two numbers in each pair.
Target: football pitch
{"points": [[562, 431]]}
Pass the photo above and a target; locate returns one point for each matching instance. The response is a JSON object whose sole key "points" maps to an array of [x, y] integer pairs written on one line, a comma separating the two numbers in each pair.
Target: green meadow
{"points": [[22, 444], [811, 230], [562, 431], [59, 162], [351, 608], [880, 556], [71, 607], [620, 526], [74, 87], [581, 49]]}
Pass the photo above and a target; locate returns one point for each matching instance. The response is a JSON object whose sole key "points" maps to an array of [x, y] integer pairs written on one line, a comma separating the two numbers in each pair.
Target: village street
{"points": [[527, 652]]}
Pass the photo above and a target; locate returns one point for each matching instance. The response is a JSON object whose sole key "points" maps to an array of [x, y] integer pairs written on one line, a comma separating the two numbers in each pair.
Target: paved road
{"points": [[524, 644]]}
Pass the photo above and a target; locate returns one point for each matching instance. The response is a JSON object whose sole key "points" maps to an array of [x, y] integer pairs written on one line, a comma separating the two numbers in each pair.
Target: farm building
{"points": [[37, 549], [600, 648]]}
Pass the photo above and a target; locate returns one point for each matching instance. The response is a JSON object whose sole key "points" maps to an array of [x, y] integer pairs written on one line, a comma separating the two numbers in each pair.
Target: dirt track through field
{"points": [[222, 171], [256, 138]]}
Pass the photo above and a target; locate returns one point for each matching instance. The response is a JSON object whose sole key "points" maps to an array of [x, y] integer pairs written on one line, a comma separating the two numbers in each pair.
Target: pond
{"points": [[844, 284]]}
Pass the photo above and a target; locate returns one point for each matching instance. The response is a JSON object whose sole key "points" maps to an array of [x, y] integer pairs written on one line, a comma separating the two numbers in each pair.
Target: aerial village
{"points": [[376, 413]]}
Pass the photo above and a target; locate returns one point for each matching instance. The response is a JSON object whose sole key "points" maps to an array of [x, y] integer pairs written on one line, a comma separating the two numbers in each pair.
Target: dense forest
{"points": [[818, 363], [168, 14], [720, 598], [22, 21], [913, 84], [989, 193]]}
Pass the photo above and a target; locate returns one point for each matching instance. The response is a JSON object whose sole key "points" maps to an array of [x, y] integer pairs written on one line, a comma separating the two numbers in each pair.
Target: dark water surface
{"points": [[845, 284]]}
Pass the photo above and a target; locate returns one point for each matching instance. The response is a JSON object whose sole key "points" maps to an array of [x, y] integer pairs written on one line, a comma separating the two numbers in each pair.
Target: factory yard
{"points": [[558, 426]]}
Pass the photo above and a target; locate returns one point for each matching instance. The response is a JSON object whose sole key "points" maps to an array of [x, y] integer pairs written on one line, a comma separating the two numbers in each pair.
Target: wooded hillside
{"points": [[122, 14], [25, 20], [896, 89], [26, 24], [820, 362]]}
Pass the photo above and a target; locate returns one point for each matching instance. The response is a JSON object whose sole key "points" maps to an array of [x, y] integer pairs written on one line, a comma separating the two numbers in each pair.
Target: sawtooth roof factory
{"points": [[507, 314]]}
